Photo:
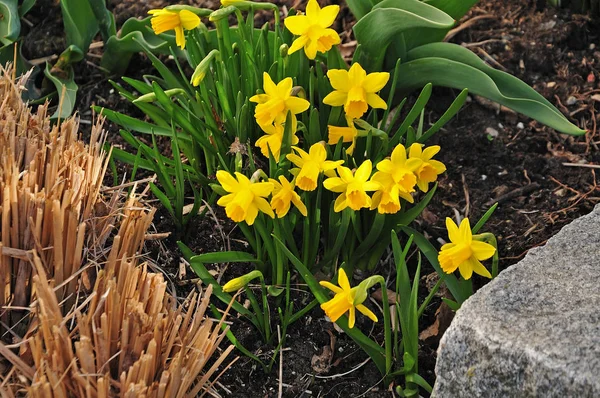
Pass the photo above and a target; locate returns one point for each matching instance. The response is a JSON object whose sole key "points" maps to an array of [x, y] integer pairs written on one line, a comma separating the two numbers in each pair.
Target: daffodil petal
{"points": [[479, 269], [298, 44], [367, 312], [335, 98], [430, 152], [343, 280], [364, 171], [227, 181], [297, 105], [331, 286], [375, 81], [482, 250], [335, 184], [452, 228], [339, 79], [297, 24], [327, 15], [340, 203], [466, 270], [376, 101], [189, 20]]}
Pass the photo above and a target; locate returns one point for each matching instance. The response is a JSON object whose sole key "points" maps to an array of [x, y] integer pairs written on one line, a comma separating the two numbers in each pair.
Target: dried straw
{"points": [[86, 319]]}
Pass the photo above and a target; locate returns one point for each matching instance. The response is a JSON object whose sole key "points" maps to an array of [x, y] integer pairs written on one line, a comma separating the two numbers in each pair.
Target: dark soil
{"points": [[491, 154]]}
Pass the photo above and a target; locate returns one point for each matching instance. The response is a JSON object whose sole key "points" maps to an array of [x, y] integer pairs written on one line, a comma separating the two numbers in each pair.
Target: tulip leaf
{"points": [[66, 88], [394, 27], [455, 8], [10, 25], [80, 23], [451, 65]]}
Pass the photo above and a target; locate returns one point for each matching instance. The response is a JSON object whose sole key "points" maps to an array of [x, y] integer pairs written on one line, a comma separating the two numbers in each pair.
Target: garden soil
{"points": [[541, 179]]}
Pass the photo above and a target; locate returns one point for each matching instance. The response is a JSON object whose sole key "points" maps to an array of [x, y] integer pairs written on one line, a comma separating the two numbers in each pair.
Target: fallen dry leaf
{"points": [[322, 363], [443, 317], [390, 294]]}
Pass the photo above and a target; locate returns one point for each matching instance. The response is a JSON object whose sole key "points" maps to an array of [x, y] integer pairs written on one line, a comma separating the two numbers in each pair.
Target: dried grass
{"points": [[84, 319]]}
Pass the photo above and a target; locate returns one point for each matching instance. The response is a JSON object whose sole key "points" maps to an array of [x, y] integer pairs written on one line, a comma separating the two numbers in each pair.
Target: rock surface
{"points": [[535, 330]]}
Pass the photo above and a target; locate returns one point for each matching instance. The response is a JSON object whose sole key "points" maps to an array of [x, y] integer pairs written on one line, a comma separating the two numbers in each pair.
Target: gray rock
{"points": [[534, 331]]}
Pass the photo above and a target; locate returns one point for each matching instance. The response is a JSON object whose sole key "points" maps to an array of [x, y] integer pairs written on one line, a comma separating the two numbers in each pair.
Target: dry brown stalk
{"points": [[81, 318]]}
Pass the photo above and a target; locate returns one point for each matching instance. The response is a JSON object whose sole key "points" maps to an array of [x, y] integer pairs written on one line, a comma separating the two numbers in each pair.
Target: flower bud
{"points": [[240, 282], [151, 97], [283, 50], [202, 68]]}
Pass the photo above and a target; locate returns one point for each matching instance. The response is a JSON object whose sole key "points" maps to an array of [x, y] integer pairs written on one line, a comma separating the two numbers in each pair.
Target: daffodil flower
{"points": [[310, 165], [245, 197], [283, 196], [274, 138], [352, 186], [178, 20], [429, 168], [464, 252], [277, 100], [313, 29], [387, 198], [347, 134], [346, 299], [401, 168], [236, 284], [355, 90]]}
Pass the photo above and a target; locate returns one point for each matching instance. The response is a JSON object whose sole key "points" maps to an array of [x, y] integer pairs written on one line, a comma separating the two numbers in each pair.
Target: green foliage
{"points": [[416, 41], [10, 25]]}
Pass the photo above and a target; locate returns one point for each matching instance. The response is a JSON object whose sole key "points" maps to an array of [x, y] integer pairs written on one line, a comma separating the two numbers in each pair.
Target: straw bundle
{"points": [[87, 320], [49, 187]]}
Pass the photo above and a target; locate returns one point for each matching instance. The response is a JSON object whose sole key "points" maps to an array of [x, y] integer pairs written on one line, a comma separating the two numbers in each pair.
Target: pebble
{"points": [[483, 177], [592, 46], [500, 125], [492, 132], [520, 126], [571, 100]]}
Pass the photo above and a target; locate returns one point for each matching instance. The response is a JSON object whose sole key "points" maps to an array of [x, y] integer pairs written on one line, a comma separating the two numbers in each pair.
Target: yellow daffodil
{"points": [[347, 134], [245, 197], [283, 196], [346, 299], [274, 138], [277, 100], [355, 90], [464, 252], [310, 165], [429, 168], [352, 186], [178, 20], [401, 168], [313, 29], [387, 198]]}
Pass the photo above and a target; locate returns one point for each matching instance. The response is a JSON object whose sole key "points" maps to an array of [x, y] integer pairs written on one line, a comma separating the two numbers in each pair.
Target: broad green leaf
{"points": [[455, 8], [104, 18], [359, 8], [394, 27], [66, 89], [80, 23], [25, 6], [130, 123], [10, 24], [454, 66]]}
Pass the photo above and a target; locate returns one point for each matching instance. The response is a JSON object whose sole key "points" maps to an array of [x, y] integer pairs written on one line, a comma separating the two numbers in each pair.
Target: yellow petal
{"points": [[268, 85], [376, 101], [313, 9], [179, 37], [335, 184], [297, 24], [482, 250], [251, 214], [264, 206], [260, 98], [311, 48], [298, 44], [343, 280], [479, 269], [415, 150], [327, 15], [351, 317], [336, 98], [364, 171], [430, 152], [399, 154], [331, 287], [262, 188], [339, 79], [298, 203], [296, 105], [375, 81], [452, 228], [227, 181], [466, 270], [189, 20], [465, 230], [367, 312], [357, 74], [340, 203]]}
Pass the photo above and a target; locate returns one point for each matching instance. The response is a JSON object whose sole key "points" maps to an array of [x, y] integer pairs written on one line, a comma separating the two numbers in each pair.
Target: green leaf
{"points": [[67, 91], [104, 18], [25, 6], [359, 8], [79, 22], [455, 8], [394, 27], [10, 24], [129, 123], [226, 257], [451, 65]]}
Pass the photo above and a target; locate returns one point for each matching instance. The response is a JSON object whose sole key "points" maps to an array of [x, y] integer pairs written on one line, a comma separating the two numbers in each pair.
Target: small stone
{"points": [[571, 100], [500, 125], [491, 132], [483, 177], [551, 84], [520, 126], [592, 46]]}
